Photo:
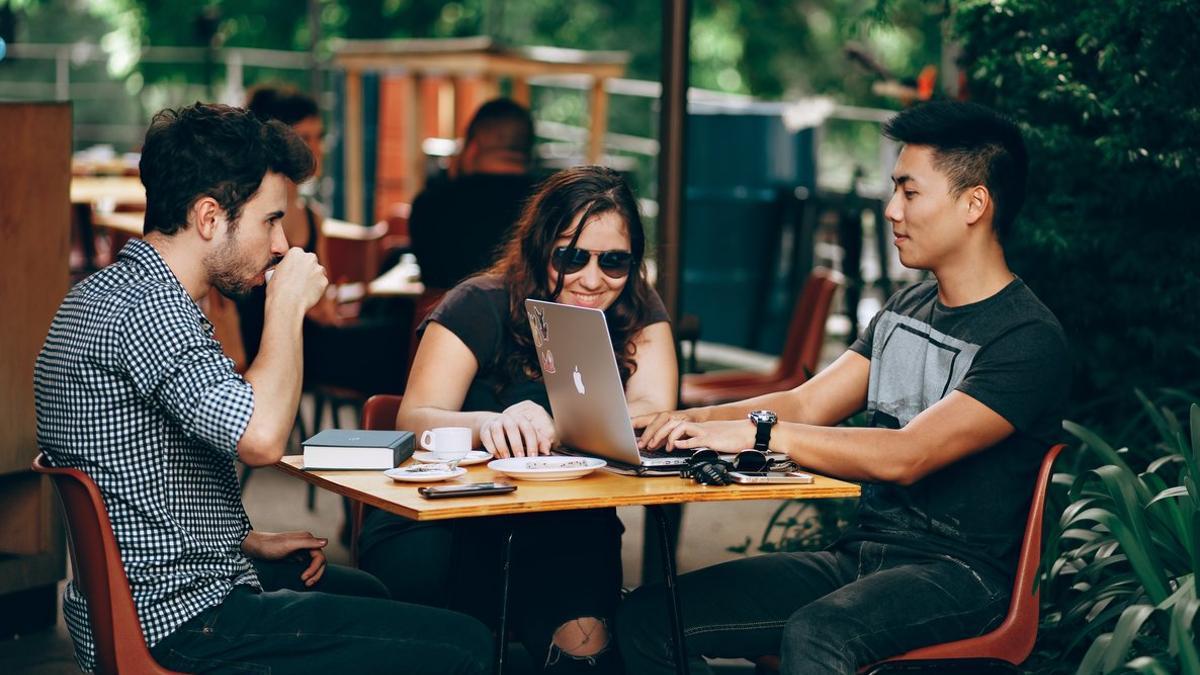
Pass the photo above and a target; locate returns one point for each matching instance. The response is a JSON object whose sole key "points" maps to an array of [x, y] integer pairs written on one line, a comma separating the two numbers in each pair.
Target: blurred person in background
{"points": [[458, 225]]}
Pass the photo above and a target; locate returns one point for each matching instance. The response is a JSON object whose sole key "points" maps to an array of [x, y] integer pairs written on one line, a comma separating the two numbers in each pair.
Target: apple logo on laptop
{"points": [[578, 380]]}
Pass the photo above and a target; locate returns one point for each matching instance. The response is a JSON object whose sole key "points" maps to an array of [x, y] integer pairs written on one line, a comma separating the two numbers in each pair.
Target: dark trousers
{"points": [[345, 623], [826, 612], [565, 565]]}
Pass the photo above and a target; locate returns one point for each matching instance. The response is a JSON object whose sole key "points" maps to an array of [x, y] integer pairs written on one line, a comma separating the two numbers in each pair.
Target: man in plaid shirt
{"points": [[132, 388]]}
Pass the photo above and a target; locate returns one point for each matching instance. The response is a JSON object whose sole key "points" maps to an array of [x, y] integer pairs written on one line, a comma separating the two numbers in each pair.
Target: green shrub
{"points": [[1109, 96], [1120, 588]]}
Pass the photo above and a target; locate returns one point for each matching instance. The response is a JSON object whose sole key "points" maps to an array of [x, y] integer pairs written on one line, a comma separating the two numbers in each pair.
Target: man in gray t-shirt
{"points": [[963, 380]]}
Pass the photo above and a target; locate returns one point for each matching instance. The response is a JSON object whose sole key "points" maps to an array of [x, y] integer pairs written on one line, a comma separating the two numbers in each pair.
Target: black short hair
{"points": [[281, 102], [972, 145], [502, 124], [212, 150]]}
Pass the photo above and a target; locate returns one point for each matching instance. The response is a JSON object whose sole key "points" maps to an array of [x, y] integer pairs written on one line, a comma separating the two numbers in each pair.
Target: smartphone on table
{"points": [[465, 489], [762, 477]]}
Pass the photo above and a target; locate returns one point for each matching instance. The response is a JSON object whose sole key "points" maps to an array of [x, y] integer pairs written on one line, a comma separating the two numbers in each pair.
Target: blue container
{"points": [[743, 165]]}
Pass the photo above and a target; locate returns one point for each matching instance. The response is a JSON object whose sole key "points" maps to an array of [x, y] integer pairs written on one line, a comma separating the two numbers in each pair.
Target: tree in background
{"points": [[1109, 97]]}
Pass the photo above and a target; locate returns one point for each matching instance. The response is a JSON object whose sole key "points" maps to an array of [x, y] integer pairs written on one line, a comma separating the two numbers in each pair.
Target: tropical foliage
{"points": [[1120, 593], [1110, 104]]}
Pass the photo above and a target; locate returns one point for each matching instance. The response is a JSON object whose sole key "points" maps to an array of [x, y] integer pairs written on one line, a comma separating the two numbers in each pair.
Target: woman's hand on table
{"points": [[299, 546], [656, 427], [524, 429]]}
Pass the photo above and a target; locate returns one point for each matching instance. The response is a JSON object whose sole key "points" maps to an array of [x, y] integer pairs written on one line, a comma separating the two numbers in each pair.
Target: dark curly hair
{"points": [[210, 150], [524, 265]]}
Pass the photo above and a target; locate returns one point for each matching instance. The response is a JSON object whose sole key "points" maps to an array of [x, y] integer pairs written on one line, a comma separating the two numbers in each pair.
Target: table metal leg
{"points": [[502, 632], [668, 559]]}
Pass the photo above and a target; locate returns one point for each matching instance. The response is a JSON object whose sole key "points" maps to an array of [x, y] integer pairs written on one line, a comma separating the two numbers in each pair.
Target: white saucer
{"points": [[423, 473], [546, 468], [473, 457]]}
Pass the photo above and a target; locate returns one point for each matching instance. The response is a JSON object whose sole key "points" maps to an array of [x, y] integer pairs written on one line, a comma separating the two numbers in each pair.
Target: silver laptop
{"points": [[587, 397]]}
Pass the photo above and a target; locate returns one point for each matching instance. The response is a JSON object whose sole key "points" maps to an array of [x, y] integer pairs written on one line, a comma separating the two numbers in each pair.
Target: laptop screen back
{"points": [[587, 398]]}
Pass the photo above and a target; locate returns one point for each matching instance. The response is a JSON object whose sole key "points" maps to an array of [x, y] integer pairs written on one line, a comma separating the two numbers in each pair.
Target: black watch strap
{"points": [[762, 438]]}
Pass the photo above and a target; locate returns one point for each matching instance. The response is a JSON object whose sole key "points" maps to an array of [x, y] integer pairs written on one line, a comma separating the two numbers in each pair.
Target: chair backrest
{"points": [[378, 414], [1013, 640], [806, 330], [100, 575]]}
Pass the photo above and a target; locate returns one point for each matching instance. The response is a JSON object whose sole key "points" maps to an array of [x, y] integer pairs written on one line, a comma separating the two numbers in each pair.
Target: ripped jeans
{"points": [[565, 565], [823, 612]]}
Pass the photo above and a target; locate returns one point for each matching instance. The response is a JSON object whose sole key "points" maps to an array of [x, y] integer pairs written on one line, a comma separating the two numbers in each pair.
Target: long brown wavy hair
{"points": [[525, 263]]}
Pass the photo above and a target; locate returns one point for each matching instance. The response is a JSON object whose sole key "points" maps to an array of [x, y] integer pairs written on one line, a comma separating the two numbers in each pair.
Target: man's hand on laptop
{"points": [[299, 546], [720, 436], [656, 427], [524, 429]]}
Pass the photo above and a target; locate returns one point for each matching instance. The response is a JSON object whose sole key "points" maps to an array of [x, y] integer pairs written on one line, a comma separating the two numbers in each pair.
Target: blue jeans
{"points": [[826, 612], [345, 623]]}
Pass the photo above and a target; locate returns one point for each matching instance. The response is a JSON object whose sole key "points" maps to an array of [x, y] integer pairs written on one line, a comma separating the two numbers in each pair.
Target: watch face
{"points": [[763, 417]]}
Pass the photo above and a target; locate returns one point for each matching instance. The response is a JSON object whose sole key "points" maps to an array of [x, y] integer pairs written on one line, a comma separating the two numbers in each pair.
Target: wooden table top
{"points": [[126, 222], [397, 282], [109, 191], [596, 490]]}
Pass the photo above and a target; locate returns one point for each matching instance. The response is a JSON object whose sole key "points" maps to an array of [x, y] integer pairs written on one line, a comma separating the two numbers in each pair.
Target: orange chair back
{"points": [[806, 330], [100, 575], [378, 414], [1013, 640]]}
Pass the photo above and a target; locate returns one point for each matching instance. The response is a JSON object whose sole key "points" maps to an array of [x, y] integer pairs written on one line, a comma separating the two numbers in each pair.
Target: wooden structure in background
{"points": [[441, 78], [35, 220]]}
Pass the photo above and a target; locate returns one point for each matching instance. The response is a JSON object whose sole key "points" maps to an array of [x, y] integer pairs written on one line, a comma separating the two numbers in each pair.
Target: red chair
{"points": [[1011, 642], [397, 237], [801, 352], [378, 414], [100, 575]]}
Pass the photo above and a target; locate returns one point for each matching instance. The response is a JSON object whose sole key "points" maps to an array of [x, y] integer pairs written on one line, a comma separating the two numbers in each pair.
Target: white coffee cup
{"points": [[447, 443]]}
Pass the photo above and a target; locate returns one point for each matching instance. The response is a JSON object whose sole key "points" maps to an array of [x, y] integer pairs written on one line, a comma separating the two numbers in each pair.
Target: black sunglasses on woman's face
{"points": [[571, 259]]}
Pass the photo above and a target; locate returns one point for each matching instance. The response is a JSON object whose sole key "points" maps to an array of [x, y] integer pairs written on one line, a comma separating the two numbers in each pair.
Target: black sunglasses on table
{"points": [[746, 460], [571, 259]]}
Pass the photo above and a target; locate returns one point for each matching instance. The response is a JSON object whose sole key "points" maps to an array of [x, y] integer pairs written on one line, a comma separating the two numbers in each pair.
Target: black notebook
{"points": [[357, 449]]}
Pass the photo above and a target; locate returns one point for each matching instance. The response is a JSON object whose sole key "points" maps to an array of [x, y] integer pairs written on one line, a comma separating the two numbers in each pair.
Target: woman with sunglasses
{"points": [[579, 241]]}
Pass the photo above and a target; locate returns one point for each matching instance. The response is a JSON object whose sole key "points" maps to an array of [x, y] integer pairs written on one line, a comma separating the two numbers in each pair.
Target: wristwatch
{"points": [[764, 419]]}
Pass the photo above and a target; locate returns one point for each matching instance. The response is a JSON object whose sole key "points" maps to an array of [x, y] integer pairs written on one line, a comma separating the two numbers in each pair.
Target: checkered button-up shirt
{"points": [[132, 388]]}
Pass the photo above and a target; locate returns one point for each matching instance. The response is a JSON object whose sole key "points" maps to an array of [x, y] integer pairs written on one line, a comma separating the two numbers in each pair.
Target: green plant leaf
{"points": [[1170, 493], [1147, 664], [1183, 637], [1124, 634], [1141, 558], [1095, 443], [1156, 417], [1094, 657]]}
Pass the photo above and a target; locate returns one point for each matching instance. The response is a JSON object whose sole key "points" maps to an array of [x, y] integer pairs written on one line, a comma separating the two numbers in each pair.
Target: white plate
{"points": [[422, 473], [473, 457], [546, 468]]}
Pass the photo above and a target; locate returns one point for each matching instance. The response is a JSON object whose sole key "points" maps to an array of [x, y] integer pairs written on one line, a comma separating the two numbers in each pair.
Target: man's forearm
{"points": [[276, 376], [852, 453], [786, 404]]}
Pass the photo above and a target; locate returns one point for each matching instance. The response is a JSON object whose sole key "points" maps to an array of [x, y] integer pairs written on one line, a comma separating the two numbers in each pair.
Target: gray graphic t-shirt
{"points": [[1009, 353]]}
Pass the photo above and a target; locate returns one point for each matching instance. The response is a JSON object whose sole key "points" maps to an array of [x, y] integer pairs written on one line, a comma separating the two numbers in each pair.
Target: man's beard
{"points": [[230, 275]]}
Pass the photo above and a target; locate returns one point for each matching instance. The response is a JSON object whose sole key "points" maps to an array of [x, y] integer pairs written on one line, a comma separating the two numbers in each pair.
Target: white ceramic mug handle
{"points": [[427, 440]]}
